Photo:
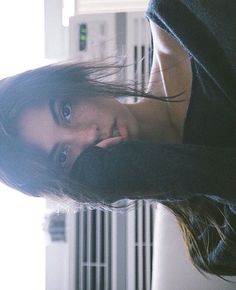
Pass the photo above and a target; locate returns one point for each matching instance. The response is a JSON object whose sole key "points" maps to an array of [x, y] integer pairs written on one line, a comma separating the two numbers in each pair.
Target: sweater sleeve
{"points": [[207, 30], [147, 170]]}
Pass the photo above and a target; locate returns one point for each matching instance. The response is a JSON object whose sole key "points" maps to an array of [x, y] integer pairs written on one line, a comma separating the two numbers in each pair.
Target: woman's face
{"points": [[63, 128]]}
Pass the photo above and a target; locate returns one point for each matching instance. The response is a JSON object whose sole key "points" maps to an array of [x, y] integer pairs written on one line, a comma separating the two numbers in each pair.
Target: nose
{"points": [[82, 137]]}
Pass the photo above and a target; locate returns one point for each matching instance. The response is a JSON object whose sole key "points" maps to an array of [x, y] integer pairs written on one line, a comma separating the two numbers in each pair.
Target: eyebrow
{"points": [[52, 108]]}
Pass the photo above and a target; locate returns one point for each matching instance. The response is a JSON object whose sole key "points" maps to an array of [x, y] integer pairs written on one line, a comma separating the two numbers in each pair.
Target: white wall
{"points": [[172, 269], [109, 5], [56, 266]]}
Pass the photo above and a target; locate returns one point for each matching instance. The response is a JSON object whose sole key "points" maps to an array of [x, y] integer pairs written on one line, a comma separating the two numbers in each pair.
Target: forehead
{"points": [[35, 126]]}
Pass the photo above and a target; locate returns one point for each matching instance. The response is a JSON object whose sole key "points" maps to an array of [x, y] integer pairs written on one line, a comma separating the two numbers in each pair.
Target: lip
{"points": [[123, 131], [112, 128]]}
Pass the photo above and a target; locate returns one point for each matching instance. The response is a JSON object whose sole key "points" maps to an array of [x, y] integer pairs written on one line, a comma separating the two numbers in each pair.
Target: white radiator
{"points": [[93, 250], [139, 246], [114, 249]]}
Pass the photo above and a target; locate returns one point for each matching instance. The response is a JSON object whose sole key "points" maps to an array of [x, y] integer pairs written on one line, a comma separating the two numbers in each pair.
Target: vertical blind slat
{"points": [[98, 246], [147, 246], [107, 251], [140, 246], [88, 268], [81, 248]]}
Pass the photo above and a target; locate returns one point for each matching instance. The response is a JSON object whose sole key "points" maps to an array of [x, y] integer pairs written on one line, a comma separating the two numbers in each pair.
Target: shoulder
{"points": [[171, 75]]}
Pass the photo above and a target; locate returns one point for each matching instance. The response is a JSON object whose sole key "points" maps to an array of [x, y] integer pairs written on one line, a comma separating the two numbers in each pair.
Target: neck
{"points": [[154, 121]]}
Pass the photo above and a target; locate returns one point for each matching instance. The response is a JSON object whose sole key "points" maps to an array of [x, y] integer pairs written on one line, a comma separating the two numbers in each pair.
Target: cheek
{"points": [[91, 112], [84, 115]]}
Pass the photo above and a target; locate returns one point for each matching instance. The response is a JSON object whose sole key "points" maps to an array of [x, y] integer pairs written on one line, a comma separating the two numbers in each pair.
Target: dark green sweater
{"points": [[206, 164]]}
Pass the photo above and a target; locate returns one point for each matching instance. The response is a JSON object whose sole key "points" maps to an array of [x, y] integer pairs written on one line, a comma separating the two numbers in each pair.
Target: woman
{"points": [[64, 133]]}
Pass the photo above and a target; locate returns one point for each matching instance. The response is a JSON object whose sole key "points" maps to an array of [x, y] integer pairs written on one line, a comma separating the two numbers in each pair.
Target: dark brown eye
{"points": [[63, 158], [66, 111]]}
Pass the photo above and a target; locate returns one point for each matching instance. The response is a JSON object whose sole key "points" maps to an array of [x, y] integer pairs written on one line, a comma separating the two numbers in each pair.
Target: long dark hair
{"points": [[209, 231], [29, 170]]}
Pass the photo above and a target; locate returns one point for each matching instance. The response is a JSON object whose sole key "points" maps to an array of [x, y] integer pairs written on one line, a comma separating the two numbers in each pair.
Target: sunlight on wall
{"points": [[21, 35], [22, 250]]}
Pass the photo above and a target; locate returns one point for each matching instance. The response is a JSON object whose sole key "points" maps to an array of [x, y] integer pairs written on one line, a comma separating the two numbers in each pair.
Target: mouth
{"points": [[118, 130], [115, 132]]}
